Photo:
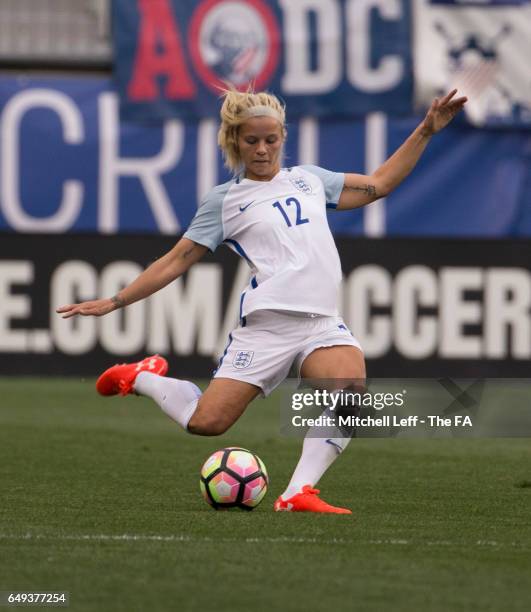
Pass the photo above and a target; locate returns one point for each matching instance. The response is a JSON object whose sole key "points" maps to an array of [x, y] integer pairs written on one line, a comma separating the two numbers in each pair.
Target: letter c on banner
{"points": [[11, 204]]}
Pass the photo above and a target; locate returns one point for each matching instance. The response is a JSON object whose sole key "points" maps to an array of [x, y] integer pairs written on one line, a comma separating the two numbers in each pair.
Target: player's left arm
{"points": [[359, 189]]}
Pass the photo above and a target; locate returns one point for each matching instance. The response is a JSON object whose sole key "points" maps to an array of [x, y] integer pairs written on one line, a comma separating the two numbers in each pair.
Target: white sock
{"points": [[178, 398], [317, 456]]}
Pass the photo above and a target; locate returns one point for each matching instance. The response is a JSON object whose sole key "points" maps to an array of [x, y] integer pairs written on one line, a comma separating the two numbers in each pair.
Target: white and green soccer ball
{"points": [[234, 478]]}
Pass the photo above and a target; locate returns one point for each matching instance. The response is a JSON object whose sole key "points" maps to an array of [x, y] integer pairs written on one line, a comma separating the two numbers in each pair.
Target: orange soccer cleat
{"points": [[121, 377], [307, 501]]}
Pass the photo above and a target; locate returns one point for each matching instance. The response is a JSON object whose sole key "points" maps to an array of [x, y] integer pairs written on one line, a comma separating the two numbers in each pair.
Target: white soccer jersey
{"points": [[280, 228]]}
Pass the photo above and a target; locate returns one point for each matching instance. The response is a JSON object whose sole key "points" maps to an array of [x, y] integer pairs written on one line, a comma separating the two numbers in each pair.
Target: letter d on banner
{"points": [[299, 77]]}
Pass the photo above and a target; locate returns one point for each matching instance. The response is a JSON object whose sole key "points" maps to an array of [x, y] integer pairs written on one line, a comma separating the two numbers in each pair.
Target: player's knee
{"points": [[347, 408], [207, 425]]}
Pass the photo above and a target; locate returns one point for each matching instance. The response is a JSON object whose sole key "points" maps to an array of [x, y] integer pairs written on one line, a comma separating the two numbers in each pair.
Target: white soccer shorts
{"points": [[262, 351]]}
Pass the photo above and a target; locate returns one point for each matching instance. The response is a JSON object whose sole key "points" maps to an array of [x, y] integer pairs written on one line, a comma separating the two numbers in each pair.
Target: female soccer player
{"points": [[275, 218]]}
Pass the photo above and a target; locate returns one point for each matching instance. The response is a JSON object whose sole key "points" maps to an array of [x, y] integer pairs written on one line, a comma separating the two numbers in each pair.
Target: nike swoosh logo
{"points": [[242, 208]]}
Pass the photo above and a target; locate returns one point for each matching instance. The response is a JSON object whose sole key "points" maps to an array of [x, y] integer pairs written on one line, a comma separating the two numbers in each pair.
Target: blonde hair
{"points": [[237, 107]]}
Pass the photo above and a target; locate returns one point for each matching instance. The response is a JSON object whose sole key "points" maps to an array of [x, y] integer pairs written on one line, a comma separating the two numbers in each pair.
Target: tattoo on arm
{"points": [[118, 301], [369, 190]]}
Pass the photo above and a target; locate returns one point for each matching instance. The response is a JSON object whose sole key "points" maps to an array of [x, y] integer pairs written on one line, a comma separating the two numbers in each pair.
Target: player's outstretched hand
{"points": [[442, 111], [94, 308]]}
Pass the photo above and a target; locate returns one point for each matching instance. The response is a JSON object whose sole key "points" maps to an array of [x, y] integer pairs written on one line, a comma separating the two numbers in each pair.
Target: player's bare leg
{"points": [[221, 405], [341, 363], [208, 414]]}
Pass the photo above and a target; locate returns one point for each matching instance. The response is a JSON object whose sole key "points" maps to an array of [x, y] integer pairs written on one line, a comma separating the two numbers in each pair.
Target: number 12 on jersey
{"points": [[298, 220]]}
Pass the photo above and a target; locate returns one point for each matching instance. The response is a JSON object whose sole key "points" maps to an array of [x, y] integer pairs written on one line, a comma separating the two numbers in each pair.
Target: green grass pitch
{"points": [[100, 498]]}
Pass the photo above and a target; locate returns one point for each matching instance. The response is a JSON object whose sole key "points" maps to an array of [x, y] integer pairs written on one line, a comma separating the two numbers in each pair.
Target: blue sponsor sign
{"points": [[68, 164], [334, 57]]}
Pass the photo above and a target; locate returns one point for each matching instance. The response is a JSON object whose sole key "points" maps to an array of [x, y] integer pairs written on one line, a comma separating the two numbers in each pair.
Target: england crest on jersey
{"points": [[243, 359], [301, 184]]}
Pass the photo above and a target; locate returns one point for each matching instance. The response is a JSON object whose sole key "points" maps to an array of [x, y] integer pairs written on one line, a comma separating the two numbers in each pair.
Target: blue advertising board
{"points": [[69, 164]]}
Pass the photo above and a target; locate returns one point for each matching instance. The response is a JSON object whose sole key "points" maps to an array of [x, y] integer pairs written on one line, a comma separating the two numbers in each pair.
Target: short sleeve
{"points": [[332, 181], [206, 227]]}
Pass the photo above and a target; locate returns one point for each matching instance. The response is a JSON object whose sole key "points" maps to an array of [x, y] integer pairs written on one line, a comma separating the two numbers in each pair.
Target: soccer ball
{"points": [[233, 478]]}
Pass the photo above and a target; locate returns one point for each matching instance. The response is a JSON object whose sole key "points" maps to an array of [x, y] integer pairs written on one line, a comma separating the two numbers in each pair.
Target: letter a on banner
{"points": [[159, 52]]}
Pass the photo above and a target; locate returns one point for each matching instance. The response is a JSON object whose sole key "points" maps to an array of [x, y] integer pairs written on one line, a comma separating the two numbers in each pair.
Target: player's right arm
{"points": [[159, 274]]}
